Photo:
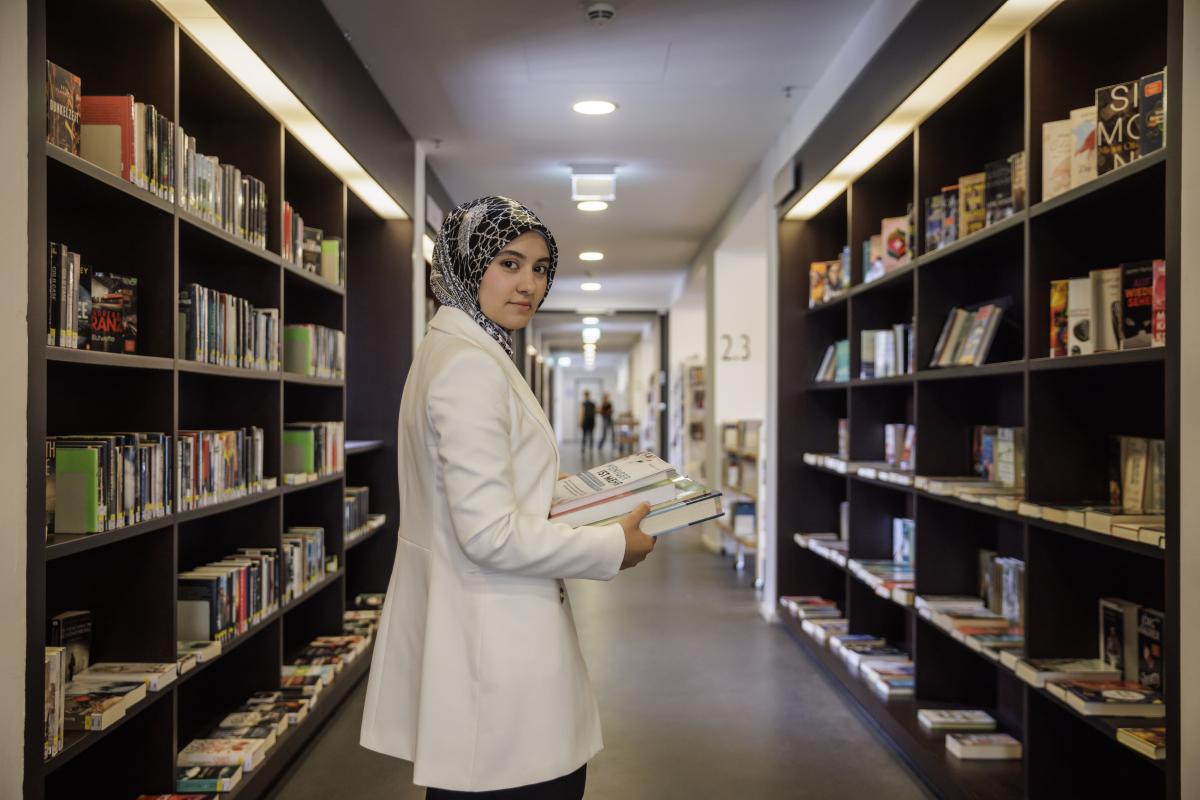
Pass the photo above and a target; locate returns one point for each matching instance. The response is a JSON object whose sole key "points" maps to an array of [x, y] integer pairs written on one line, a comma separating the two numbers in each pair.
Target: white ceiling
{"points": [[700, 89]]}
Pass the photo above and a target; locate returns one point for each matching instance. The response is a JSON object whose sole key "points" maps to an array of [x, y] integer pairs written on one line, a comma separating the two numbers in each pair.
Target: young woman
{"points": [[477, 676]]}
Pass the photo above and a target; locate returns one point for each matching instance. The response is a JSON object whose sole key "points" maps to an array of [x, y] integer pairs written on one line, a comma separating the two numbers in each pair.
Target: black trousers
{"points": [[588, 436], [568, 787]]}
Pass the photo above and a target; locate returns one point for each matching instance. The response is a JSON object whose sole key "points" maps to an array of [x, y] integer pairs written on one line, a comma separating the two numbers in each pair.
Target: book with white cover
{"points": [[608, 480], [990, 746], [692, 504], [246, 753], [1081, 339], [617, 505], [155, 676], [1038, 671], [946, 719]]}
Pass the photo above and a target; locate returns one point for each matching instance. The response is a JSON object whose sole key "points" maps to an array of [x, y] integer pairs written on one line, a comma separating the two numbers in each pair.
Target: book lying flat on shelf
{"points": [[155, 676], [246, 753], [207, 779], [95, 706], [1150, 742], [1109, 698], [203, 651], [983, 746], [938, 602], [1038, 672], [940, 719]]}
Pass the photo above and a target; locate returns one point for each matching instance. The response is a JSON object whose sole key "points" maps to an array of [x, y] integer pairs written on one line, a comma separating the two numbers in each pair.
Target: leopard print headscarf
{"points": [[470, 238]]}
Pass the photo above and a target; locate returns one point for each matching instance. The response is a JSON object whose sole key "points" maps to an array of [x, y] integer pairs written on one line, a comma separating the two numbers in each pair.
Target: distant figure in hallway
{"points": [[587, 421], [606, 422]]}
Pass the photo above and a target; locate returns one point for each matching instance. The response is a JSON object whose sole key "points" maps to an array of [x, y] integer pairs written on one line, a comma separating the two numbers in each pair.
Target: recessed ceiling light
{"points": [[592, 205], [591, 334], [594, 107], [590, 286], [591, 320], [564, 361], [591, 255]]}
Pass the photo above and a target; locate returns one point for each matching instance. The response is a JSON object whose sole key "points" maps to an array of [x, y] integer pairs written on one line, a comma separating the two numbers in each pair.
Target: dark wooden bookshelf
{"points": [[127, 576], [1067, 407]]}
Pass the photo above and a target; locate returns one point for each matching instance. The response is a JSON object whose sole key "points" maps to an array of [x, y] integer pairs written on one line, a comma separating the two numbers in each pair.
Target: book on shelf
{"points": [[827, 280], [967, 335], [941, 219], [873, 268], [896, 235], [1103, 521], [63, 91], [854, 654], [945, 719], [207, 779], [261, 733], [1150, 742], [333, 260], [1083, 145], [1151, 627], [1037, 672], [1137, 304], [983, 746], [1057, 147], [72, 630], [310, 249], [1080, 323], [903, 530], [1152, 109], [105, 481], [934, 603], [1003, 188], [214, 466], [244, 753], [1106, 308], [1119, 635], [96, 705], [955, 618], [1118, 123], [154, 675], [54, 702], [1109, 698], [972, 203], [313, 448], [314, 350], [1009, 659], [106, 133], [1059, 319], [891, 686], [822, 629]]}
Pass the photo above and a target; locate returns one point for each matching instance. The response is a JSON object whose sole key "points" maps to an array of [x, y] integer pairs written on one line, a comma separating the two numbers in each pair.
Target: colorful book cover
{"points": [[1058, 318], [1158, 333], [1153, 109], [1057, 145], [895, 243], [113, 317], [62, 108], [1118, 124], [1151, 624], [1019, 184], [817, 283], [935, 214], [1137, 304], [972, 203]]}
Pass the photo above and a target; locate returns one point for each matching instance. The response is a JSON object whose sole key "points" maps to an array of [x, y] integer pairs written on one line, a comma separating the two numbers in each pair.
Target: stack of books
{"points": [[602, 495]]}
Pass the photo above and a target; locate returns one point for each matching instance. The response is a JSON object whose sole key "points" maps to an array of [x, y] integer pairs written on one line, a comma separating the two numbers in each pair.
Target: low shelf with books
{"points": [[1092, 517], [160, 241]]}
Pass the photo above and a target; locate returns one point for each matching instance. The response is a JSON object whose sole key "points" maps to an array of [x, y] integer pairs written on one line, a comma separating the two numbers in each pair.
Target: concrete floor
{"points": [[700, 698]]}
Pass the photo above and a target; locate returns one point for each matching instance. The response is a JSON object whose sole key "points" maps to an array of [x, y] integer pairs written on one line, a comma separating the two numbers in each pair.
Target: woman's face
{"points": [[514, 283]]}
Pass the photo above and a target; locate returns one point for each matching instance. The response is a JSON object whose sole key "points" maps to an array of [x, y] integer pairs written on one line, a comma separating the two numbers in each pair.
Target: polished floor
{"points": [[700, 699]]}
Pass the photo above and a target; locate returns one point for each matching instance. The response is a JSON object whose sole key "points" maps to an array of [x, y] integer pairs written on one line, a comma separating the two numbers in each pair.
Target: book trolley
{"points": [[127, 577], [1067, 407]]}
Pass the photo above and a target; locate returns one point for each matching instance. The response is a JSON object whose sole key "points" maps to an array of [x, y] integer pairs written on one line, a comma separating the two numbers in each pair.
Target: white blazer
{"points": [[477, 676]]}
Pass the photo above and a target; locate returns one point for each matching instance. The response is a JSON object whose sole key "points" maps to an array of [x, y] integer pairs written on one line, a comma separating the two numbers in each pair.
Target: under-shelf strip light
{"points": [[990, 40], [214, 35]]}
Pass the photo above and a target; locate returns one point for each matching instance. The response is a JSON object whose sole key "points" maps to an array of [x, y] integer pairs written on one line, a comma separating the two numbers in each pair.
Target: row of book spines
{"points": [[1126, 122], [356, 507], [1131, 641], [219, 328], [104, 481], [1118, 308], [998, 454], [314, 447], [1137, 474], [314, 350], [887, 352], [215, 466], [86, 309], [967, 336]]}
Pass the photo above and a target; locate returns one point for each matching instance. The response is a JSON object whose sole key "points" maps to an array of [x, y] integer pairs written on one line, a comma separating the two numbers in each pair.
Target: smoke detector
{"points": [[600, 13]]}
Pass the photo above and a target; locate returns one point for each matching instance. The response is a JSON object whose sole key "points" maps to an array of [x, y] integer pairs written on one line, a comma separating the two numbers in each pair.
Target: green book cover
{"points": [[77, 490], [842, 372], [298, 349], [298, 451]]}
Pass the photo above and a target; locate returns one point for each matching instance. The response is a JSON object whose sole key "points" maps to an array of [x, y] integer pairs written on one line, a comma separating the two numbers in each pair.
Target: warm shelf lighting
{"points": [[222, 43], [591, 255], [591, 320], [990, 40], [590, 286], [592, 205], [427, 247], [594, 108]]}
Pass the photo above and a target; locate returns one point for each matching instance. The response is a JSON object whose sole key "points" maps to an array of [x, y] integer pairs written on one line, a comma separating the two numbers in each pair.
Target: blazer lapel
{"points": [[458, 323]]}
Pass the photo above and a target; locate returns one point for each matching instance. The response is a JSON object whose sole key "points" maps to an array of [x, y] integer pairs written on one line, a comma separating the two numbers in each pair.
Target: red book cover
{"points": [[112, 110], [1159, 332]]}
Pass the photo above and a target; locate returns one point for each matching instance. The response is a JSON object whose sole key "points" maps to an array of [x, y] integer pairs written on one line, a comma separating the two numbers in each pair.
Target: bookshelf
{"points": [[1066, 405], [127, 577]]}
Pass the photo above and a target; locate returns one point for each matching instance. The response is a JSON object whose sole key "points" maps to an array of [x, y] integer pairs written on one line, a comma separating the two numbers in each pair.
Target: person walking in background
{"points": [[606, 422], [587, 421]]}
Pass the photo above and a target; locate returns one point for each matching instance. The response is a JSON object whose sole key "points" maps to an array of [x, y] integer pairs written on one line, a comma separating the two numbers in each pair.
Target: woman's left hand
{"points": [[562, 475]]}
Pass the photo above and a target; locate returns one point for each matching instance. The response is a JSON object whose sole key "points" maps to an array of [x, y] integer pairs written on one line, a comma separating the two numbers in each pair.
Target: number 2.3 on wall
{"points": [[731, 353]]}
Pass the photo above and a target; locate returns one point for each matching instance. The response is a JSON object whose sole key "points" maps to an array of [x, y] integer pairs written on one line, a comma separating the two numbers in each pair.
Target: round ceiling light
{"points": [[592, 205], [591, 255], [594, 107], [590, 286], [591, 320], [564, 361]]}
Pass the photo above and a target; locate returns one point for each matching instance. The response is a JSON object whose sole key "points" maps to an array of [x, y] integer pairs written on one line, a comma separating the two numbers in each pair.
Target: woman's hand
{"points": [[637, 544], [562, 475]]}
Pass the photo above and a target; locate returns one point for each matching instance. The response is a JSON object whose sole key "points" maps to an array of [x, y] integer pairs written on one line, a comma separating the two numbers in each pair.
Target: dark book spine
{"points": [[1150, 649], [1153, 100], [84, 313], [52, 290], [1137, 304], [1117, 126]]}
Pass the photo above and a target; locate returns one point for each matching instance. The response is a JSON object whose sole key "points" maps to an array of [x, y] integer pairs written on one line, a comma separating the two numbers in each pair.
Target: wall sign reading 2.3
{"points": [[731, 353]]}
